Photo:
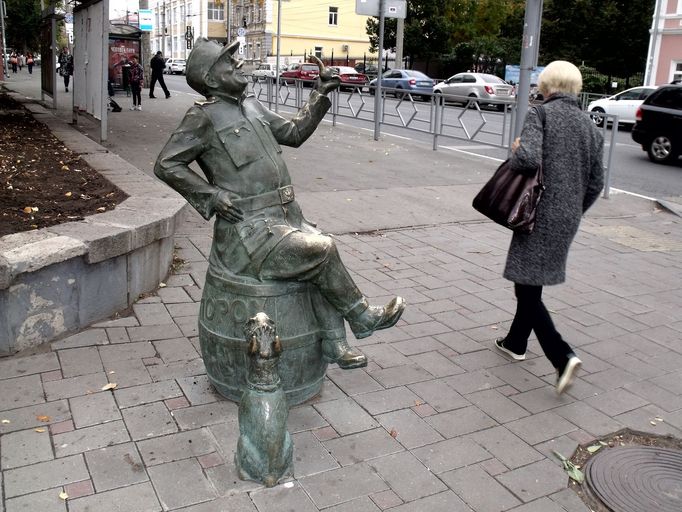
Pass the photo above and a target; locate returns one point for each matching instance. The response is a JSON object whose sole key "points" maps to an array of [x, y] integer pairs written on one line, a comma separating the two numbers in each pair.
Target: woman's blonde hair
{"points": [[560, 76]]}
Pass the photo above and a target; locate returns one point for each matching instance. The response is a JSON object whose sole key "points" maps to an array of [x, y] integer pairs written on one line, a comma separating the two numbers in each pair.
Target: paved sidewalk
{"points": [[438, 421]]}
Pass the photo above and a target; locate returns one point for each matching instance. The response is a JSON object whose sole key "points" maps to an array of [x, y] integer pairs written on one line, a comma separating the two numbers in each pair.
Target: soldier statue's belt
{"points": [[282, 195]]}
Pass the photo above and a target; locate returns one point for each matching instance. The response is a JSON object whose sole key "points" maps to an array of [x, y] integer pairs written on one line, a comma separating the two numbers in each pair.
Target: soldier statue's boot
{"points": [[340, 352], [365, 319], [338, 287]]}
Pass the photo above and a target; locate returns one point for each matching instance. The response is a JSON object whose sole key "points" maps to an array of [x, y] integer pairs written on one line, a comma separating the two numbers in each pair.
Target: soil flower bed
{"points": [[42, 183]]}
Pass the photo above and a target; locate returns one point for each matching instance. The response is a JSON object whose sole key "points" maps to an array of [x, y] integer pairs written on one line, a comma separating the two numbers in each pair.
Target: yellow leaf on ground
{"points": [[5, 422], [68, 194], [63, 495], [394, 433], [43, 418], [40, 430], [65, 167], [111, 385], [28, 209]]}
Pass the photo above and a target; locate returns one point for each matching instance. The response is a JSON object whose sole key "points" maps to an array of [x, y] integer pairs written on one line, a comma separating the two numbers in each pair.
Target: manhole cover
{"points": [[637, 479]]}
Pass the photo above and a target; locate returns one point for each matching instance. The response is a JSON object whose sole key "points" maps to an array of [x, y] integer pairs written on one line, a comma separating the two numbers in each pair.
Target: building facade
{"points": [[664, 62], [307, 27]]}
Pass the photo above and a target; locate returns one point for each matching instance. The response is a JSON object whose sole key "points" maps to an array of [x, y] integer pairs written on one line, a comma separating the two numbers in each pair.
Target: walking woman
{"points": [[570, 149], [136, 80]]}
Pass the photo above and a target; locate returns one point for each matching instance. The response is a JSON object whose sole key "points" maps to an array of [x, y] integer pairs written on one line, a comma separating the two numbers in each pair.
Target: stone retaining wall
{"points": [[60, 279]]}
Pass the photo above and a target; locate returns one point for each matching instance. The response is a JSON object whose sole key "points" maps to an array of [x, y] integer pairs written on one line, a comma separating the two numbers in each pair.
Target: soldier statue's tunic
{"points": [[260, 230]]}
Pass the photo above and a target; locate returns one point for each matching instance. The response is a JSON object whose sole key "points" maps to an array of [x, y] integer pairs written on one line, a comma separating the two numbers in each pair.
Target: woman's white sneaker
{"points": [[568, 375], [513, 355]]}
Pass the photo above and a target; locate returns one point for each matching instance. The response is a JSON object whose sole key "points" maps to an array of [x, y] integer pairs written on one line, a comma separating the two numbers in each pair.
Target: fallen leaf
{"points": [[28, 209], [101, 209], [111, 385], [40, 430], [594, 448], [162, 285], [658, 419], [653, 423], [65, 167], [112, 372], [63, 495], [417, 403], [5, 422], [68, 194], [43, 418], [394, 433]]}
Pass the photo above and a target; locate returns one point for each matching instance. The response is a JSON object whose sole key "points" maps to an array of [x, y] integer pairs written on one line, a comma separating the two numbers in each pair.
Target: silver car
{"points": [[465, 88]]}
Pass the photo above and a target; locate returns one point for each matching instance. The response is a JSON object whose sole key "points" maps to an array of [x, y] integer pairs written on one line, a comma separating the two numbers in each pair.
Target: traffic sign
{"points": [[241, 31]]}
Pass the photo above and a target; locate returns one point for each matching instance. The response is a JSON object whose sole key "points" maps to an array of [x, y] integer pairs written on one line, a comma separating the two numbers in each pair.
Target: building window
{"points": [[318, 52], [333, 15], [677, 72], [216, 11], [189, 9]]}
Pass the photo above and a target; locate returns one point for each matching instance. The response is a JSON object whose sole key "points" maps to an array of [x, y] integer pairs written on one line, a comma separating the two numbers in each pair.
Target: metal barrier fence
{"points": [[455, 118]]}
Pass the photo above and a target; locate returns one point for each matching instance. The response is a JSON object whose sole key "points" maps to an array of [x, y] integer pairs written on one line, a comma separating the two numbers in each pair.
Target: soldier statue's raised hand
{"points": [[260, 230]]}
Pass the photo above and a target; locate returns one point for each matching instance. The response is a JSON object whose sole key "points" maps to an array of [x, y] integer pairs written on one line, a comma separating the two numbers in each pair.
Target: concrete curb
{"points": [[60, 279]]}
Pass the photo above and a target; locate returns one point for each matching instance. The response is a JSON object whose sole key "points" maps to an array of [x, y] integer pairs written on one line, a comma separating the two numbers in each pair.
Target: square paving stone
{"points": [[364, 504], [588, 418], [43, 501], [545, 505], [471, 382], [439, 395], [343, 484], [462, 421], [535, 480], [479, 490], [517, 377], [80, 361], [125, 351], [149, 420], [362, 446], [506, 447], [24, 448], [94, 409], [410, 430], [446, 501], [304, 417], [21, 391], [346, 416], [75, 386], [82, 339], [387, 400], [310, 456], [129, 373], [497, 406], [90, 438], [353, 382], [283, 498], [226, 481], [27, 417], [451, 454], [541, 427], [22, 366], [154, 332], [146, 393], [199, 390], [177, 349], [152, 314], [182, 445], [44, 475], [236, 503], [407, 476], [115, 466], [135, 498], [436, 364], [204, 415], [180, 484], [401, 375]]}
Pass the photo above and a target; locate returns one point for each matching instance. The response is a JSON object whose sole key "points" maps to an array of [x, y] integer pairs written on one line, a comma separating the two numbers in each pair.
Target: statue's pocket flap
{"points": [[241, 143], [268, 133]]}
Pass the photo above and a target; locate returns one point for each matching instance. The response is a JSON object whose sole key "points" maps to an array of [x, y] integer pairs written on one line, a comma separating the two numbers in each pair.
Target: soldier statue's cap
{"points": [[202, 58]]}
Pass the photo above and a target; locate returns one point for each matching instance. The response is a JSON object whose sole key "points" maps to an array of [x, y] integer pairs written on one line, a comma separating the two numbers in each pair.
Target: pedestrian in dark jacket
{"points": [[65, 60], [158, 65], [570, 149], [136, 81]]}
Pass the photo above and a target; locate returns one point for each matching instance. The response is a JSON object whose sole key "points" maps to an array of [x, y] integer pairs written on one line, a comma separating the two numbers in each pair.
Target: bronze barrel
{"points": [[226, 305]]}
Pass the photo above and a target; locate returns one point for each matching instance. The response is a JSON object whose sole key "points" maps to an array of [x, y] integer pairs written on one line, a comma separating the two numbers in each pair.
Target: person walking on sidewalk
{"points": [[65, 67], [158, 65], [14, 61], [570, 149], [136, 80], [29, 63]]}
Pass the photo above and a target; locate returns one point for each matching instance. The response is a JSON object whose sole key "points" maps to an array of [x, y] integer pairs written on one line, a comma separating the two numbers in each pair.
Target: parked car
{"points": [[659, 124], [399, 82], [486, 89], [175, 66], [300, 71], [370, 70], [624, 105], [350, 77], [266, 69]]}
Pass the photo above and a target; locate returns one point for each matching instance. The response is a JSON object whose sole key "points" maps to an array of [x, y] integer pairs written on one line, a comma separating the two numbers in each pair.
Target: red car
{"points": [[301, 71], [349, 77]]}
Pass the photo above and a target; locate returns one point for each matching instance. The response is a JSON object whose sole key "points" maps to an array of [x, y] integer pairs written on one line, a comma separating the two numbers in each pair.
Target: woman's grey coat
{"points": [[570, 149]]}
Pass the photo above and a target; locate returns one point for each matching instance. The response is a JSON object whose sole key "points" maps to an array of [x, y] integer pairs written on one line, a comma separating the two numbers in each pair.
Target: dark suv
{"points": [[659, 124]]}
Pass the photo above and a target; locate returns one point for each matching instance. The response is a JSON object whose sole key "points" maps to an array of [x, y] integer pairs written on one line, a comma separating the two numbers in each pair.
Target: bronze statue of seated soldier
{"points": [[260, 231]]}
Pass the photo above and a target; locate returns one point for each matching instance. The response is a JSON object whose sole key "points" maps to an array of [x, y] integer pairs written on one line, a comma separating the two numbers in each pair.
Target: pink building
{"points": [[664, 62]]}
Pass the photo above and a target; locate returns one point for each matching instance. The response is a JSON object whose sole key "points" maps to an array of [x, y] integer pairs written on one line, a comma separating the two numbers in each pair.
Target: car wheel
{"points": [[501, 107], [661, 150], [471, 103], [597, 119]]}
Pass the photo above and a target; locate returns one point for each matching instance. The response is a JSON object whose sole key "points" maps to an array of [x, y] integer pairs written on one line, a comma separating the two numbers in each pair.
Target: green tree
{"points": [[23, 24]]}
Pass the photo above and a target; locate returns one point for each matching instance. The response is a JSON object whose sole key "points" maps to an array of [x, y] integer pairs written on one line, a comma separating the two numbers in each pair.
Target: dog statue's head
{"points": [[263, 341]]}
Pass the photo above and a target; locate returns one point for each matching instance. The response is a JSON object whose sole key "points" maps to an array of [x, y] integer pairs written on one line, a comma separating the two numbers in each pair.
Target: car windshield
{"points": [[416, 74], [345, 70], [309, 67], [178, 61], [492, 79]]}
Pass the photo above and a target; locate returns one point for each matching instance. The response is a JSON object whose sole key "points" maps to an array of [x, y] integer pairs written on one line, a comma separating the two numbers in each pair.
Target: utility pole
{"points": [[145, 43], [3, 9], [377, 92], [163, 29], [529, 60], [399, 36]]}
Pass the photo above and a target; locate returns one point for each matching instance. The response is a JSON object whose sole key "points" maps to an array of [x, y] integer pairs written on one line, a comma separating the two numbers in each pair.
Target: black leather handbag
{"points": [[511, 198]]}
